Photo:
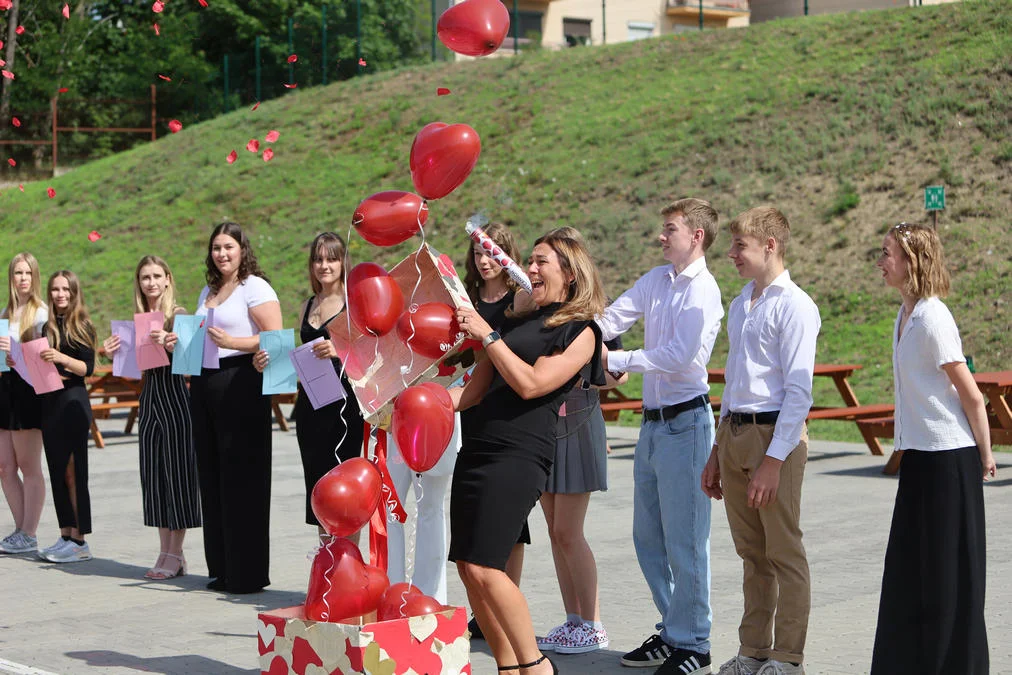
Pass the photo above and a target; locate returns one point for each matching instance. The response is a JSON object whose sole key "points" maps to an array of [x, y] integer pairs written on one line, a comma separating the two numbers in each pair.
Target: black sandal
{"points": [[544, 657]]}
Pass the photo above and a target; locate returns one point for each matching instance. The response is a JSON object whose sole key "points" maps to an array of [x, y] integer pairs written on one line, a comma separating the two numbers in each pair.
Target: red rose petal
{"points": [[20, 30], [268, 154], [1, 44], [272, 136], [255, 106], [12, 161], [8, 74], [51, 192], [164, 77], [157, 31], [362, 62], [442, 91], [158, 7], [291, 86], [21, 187], [293, 58], [232, 156], [15, 121], [5, 4], [66, 11], [175, 126], [62, 90], [2, 62], [203, 3], [94, 236], [253, 145]]}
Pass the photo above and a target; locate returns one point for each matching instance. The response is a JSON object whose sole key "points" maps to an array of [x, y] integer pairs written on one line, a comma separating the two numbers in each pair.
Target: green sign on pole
{"points": [[934, 198]]}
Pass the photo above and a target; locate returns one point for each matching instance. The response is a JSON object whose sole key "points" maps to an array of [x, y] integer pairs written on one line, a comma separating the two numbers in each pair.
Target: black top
{"points": [[307, 333], [74, 351], [494, 313], [503, 417]]}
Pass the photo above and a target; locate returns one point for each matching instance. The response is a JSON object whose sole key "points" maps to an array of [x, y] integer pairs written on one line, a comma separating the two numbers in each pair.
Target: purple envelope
{"points": [[124, 359], [210, 349]]}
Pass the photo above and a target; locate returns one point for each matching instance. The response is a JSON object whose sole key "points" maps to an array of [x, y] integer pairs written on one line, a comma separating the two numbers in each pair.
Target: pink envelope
{"points": [[45, 378], [149, 354]]}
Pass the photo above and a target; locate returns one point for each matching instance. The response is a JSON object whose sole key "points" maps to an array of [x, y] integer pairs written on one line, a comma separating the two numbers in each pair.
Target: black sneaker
{"points": [[475, 629], [685, 662], [653, 652]]}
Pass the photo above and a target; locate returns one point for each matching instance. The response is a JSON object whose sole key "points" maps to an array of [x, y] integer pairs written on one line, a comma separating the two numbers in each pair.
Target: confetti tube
{"points": [[497, 254]]}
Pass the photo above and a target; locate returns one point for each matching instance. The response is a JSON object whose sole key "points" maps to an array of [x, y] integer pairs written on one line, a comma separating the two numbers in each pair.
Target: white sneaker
{"points": [[70, 553], [60, 543], [742, 665], [583, 638], [19, 542], [551, 641], [773, 667]]}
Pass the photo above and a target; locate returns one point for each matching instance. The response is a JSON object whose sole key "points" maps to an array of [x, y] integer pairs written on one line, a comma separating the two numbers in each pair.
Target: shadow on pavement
{"points": [[185, 663]]}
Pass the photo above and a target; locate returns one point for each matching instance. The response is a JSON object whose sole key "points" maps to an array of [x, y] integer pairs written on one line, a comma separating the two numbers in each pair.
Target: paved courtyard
{"points": [[102, 616]]}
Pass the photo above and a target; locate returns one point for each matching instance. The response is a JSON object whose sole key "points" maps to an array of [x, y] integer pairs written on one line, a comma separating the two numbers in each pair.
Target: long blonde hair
{"points": [[585, 299], [167, 303], [77, 326], [26, 322], [927, 275]]}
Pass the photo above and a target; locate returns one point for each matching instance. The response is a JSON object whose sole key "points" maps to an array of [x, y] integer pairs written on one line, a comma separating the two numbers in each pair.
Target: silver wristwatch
{"points": [[490, 338]]}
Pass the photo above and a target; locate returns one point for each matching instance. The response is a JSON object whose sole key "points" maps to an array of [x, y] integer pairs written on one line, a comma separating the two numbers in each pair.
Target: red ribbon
{"points": [[378, 521]]}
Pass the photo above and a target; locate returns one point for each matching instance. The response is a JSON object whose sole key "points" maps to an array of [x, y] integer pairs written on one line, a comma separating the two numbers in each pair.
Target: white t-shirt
{"points": [[929, 415], [232, 316], [41, 317]]}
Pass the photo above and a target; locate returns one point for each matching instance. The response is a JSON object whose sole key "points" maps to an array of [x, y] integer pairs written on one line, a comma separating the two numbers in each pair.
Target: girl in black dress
{"points": [[509, 443], [66, 416], [334, 431], [168, 463], [21, 410]]}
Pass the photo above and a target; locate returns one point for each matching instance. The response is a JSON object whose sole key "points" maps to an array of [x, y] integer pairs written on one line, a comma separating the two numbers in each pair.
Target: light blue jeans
{"points": [[671, 524]]}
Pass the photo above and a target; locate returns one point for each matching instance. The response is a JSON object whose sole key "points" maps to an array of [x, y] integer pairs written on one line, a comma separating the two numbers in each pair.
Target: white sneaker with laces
{"points": [[583, 638], [60, 543], [741, 665], [773, 667], [19, 542], [551, 641], [9, 540], [70, 553]]}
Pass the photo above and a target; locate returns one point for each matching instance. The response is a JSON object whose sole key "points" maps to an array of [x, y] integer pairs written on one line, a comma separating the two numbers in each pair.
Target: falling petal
{"points": [[253, 145], [2, 62], [12, 161], [232, 156], [8, 74], [442, 91], [21, 187], [66, 11], [175, 126], [255, 106], [51, 192], [15, 121], [164, 77], [62, 90], [20, 30], [293, 58], [272, 136], [1, 44], [5, 4], [291, 86], [362, 63], [157, 31], [158, 7], [268, 154], [94, 236], [203, 3]]}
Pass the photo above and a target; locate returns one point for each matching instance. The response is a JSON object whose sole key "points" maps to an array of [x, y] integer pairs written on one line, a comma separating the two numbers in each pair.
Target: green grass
{"points": [[839, 120]]}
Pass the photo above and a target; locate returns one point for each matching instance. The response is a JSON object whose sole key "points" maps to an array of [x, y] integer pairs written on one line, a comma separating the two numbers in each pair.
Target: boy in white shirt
{"points": [[758, 459]]}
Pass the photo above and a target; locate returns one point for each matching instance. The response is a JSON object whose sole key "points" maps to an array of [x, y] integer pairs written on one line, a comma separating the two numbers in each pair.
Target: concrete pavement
{"points": [[102, 616]]}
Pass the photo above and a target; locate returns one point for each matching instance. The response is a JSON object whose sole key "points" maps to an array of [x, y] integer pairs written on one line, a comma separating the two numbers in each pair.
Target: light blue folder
{"points": [[5, 331], [189, 353], [279, 375]]}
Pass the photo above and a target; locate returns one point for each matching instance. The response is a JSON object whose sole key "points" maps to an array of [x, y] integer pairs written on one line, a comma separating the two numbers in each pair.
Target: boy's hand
{"points": [[711, 477], [762, 489]]}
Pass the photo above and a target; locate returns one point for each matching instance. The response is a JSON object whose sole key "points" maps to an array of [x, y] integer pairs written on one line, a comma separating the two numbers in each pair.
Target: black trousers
{"points": [[232, 437], [66, 422], [931, 614]]}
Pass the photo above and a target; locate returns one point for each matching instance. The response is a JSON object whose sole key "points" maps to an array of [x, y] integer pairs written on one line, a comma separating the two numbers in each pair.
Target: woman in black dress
{"points": [[509, 443], [334, 431]]}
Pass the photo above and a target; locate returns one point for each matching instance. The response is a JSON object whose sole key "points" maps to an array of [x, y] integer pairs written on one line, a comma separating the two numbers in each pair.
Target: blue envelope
{"points": [[5, 331], [279, 375], [188, 355]]}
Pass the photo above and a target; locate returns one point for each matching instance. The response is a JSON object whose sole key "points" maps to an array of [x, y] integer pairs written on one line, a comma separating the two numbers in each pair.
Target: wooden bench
{"points": [[100, 410]]}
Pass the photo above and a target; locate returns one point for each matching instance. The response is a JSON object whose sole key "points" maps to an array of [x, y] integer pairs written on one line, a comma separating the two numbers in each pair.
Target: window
{"points": [[639, 30], [530, 25], [576, 31]]}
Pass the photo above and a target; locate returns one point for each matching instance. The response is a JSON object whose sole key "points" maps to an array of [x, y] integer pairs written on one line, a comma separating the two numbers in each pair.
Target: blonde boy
{"points": [[758, 459]]}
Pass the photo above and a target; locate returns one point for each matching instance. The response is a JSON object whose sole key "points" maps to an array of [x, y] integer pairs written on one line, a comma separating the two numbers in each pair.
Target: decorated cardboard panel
{"points": [[381, 367], [433, 644]]}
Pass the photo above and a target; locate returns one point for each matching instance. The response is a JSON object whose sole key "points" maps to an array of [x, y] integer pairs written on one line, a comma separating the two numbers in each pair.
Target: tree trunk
{"points": [[11, 44]]}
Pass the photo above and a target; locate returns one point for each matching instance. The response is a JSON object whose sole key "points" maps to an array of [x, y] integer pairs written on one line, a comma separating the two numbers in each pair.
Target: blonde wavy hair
{"points": [[763, 222], [77, 326], [586, 298], [26, 322], [167, 303], [927, 275]]}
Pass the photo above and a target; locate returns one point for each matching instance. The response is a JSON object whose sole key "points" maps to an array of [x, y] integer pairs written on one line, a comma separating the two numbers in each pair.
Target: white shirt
{"points": [[771, 358], [681, 315], [929, 414], [232, 316], [38, 323]]}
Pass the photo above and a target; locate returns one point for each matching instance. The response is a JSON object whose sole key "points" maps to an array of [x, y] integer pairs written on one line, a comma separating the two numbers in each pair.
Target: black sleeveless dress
{"points": [[508, 446], [320, 432]]}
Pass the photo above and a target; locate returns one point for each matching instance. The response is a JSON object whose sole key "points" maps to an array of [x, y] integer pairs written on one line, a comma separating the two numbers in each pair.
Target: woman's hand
{"points": [[470, 322], [220, 337], [111, 344], [10, 361], [170, 342], [54, 356], [260, 360], [5, 343], [987, 461], [324, 349]]}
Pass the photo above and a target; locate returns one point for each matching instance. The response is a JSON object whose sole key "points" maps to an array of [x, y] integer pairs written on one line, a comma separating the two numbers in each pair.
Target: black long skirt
{"points": [[66, 423], [931, 612]]}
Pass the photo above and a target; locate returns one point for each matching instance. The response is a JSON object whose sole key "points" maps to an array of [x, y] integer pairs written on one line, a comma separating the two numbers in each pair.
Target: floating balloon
{"points": [[394, 598], [422, 424], [354, 588], [431, 330], [442, 157], [390, 217], [345, 498], [374, 299], [417, 605], [474, 27]]}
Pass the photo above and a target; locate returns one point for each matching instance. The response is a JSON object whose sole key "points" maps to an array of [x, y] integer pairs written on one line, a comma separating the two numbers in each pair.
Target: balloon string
{"points": [[412, 536], [325, 615], [412, 308], [375, 384]]}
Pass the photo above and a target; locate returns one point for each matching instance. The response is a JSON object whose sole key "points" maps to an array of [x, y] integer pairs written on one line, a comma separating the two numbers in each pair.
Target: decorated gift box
{"points": [[431, 644], [380, 364]]}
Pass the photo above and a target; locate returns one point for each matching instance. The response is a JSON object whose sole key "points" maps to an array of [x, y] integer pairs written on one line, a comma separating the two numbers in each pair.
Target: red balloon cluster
{"points": [[341, 585], [474, 27], [374, 299], [403, 600], [442, 156], [430, 330], [422, 424], [345, 498], [390, 217]]}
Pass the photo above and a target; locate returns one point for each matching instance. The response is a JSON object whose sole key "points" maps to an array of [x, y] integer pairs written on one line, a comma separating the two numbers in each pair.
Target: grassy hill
{"points": [[839, 120]]}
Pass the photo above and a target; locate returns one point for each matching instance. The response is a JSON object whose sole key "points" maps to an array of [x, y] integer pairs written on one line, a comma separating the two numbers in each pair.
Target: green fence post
{"points": [[806, 7], [516, 27], [291, 49], [225, 88], [604, 23], [323, 26], [433, 12], [358, 36], [259, 97], [700, 14]]}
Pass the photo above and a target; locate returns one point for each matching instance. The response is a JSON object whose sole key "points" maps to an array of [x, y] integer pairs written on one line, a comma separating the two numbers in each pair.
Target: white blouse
{"points": [[232, 316], [38, 323], [929, 415]]}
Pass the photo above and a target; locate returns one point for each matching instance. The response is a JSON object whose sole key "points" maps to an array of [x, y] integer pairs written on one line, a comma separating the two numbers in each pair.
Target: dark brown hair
{"points": [[248, 265]]}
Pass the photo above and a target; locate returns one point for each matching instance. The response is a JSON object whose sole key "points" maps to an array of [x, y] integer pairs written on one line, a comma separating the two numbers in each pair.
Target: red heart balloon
{"points": [[354, 367], [442, 157], [422, 424], [395, 597], [353, 589], [345, 498], [374, 299], [474, 27], [390, 217], [429, 329]]}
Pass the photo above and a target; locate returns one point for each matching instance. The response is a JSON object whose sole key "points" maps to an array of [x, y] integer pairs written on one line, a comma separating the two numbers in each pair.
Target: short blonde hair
{"points": [[763, 222], [927, 275], [699, 215]]}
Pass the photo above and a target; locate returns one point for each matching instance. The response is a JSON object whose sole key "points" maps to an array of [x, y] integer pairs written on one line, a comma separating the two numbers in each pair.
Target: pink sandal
{"points": [[162, 573]]}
